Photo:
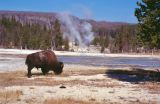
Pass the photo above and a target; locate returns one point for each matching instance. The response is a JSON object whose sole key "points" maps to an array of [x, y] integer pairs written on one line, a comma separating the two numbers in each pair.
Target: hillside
{"points": [[45, 19]]}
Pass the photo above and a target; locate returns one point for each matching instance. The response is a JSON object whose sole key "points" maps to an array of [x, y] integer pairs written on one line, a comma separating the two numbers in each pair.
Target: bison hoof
{"points": [[29, 76], [44, 73]]}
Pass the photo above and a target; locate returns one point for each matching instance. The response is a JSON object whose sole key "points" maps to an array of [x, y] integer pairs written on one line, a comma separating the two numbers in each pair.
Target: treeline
{"points": [[122, 39], [14, 34], [148, 16]]}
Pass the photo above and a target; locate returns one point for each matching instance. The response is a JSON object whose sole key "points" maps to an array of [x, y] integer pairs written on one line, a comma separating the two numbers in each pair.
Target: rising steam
{"points": [[76, 30]]}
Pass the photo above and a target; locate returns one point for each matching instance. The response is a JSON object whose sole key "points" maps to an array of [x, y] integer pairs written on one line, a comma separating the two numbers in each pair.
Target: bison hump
{"points": [[42, 57]]}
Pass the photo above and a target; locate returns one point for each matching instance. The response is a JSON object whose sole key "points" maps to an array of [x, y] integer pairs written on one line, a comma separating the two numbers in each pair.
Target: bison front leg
{"points": [[43, 71]]}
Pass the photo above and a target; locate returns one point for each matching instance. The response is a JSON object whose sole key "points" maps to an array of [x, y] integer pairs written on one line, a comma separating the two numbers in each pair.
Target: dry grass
{"points": [[20, 78], [104, 83], [152, 87], [10, 96], [141, 102], [91, 101], [67, 101], [87, 72]]}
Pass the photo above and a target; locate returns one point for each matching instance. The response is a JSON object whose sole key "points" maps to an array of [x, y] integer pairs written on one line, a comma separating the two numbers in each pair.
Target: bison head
{"points": [[59, 68]]}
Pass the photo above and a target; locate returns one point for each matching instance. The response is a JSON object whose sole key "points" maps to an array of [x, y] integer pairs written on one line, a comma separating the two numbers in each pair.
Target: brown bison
{"points": [[46, 60]]}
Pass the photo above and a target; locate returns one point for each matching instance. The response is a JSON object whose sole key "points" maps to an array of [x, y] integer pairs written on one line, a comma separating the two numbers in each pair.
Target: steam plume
{"points": [[76, 30]]}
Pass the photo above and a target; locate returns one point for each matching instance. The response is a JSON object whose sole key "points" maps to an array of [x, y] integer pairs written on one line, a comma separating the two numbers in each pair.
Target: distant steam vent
{"points": [[79, 33]]}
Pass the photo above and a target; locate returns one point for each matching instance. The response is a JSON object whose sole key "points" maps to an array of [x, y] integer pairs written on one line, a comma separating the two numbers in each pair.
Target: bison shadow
{"points": [[134, 75]]}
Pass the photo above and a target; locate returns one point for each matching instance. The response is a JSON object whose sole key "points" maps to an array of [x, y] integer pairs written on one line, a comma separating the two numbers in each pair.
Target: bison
{"points": [[46, 60]]}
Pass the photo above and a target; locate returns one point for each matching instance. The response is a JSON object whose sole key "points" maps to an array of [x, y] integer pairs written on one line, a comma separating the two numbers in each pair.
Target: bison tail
{"points": [[27, 61]]}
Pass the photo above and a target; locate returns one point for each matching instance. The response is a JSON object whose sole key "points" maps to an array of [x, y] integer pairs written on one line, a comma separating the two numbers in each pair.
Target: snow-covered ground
{"points": [[67, 53], [12, 59], [16, 51]]}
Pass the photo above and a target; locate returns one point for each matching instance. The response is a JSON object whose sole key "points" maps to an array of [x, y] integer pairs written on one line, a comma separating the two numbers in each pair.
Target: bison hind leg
{"points": [[29, 72]]}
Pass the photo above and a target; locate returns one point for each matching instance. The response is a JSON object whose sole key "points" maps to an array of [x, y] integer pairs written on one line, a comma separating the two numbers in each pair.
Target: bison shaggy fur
{"points": [[46, 60]]}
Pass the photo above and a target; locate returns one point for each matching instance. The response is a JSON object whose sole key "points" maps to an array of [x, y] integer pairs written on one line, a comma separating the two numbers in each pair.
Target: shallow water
{"points": [[10, 63], [140, 62]]}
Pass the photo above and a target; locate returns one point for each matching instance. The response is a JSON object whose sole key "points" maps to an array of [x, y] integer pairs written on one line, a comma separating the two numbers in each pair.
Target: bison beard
{"points": [[46, 60]]}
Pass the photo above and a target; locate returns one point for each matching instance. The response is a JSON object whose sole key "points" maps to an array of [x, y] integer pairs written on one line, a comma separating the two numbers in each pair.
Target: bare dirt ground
{"points": [[81, 85]]}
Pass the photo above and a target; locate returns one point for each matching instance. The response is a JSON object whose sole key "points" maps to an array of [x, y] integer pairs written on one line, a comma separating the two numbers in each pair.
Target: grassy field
{"points": [[81, 85]]}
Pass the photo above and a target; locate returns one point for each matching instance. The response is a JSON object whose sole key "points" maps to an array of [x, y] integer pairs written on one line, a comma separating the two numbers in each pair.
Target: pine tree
{"points": [[148, 15], [58, 38]]}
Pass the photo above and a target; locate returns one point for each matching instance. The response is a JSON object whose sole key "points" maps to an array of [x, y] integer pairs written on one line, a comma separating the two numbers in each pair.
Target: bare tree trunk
{"points": [[53, 43]]}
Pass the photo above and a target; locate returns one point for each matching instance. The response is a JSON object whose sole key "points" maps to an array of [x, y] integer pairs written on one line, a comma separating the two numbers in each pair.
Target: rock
{"points": [[62, 86]]}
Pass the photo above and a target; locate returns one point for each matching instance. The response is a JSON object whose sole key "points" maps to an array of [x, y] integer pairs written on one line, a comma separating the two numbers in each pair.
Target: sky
{"points": [[100, 10]]}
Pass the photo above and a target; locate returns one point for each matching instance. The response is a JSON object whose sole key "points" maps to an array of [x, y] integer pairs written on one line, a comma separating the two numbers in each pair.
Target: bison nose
{"points": [[61, 64]]}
